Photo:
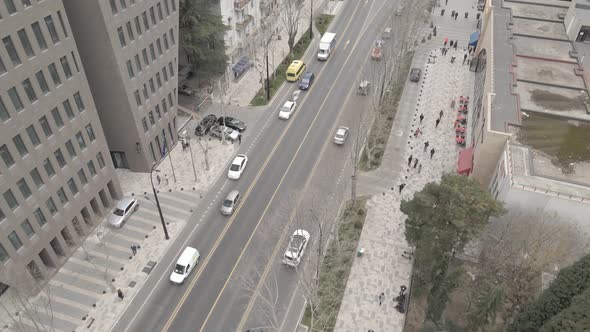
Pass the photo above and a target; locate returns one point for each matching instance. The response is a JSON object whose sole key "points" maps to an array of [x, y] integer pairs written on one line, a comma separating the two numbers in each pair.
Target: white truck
{"points": [[327, 44]]}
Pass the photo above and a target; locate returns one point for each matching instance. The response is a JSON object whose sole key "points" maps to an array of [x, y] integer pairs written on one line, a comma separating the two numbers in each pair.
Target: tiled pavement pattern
{"points": [[382, 267]]}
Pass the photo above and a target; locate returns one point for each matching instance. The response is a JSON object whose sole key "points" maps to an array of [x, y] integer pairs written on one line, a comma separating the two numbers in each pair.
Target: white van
{"points": [[185, 265], [326, 47]]}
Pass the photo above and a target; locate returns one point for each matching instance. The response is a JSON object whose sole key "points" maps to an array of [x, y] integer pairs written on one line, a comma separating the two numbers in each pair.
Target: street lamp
{"points": [[311, 21], [158, 202]]}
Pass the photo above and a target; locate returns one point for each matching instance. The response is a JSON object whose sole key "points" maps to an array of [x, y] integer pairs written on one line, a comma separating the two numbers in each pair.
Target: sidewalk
{"points": [[382, 268]]}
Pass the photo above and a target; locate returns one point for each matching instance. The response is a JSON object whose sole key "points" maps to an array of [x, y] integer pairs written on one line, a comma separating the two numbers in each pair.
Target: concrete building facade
{"points": [[56, 177], [129, 50]]}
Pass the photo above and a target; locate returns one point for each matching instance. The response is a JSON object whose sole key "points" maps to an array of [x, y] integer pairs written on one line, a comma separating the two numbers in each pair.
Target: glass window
{"points": [[2, 216], [130, 69], [40, 217], [39, 36], [20, 145], [153, 52], [146, 24], [15, 99], [61, 22], [51, 28], [137, 63], [145, 92], [158, 80], [164, 105], [91, 168], [130, 30], [54, 74], [61, 194], [15, 240], [165, 38], [171, 69], [73, 186], [159, 45], [82, 176], [51, 206], [152, 86], [145, 57], [145, 125], [137, 25], [4, 115], [151, 115], [10, 6], [121, 36], [6, 156], [2, 67], [160, 16], [3, 254], [24, 188], [90, 133], [45, 126], [71, 150], [123, 4], [60, 158], [66, 66], [48, 167], [165, 73], [170, 100], [29, 90], [113, 7], [26, 3], [173, 5], [10, 199], [158, 112], [153, 15], [27, 228], [36, 176], [81, 141], [33, 135], [68, 109], [137, 97], [75, 62], [24, 39], [79, 102], [101, 163], [59, 122], [42, 82], [172, 40], [167, 8]]}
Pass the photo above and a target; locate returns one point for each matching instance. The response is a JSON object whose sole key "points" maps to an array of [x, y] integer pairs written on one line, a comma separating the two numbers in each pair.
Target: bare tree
{"points": [[205, 148], [290, 17], [265, 291]]}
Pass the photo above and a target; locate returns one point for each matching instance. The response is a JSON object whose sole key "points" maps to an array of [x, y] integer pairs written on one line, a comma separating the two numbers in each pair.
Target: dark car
{"points": [[306, 81], [415, 74], [233, 123], [205, 125]]}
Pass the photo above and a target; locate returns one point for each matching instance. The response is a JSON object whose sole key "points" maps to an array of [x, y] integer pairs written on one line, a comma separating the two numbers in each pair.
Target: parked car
{"points": [[306, 81], [387, 33], [187, 90], [287, 110], [205, 125], [237, 167], [415, 74], [341, 135], [230, 202], [122, 211], [296, 248], [233, 123], [218, 130]]}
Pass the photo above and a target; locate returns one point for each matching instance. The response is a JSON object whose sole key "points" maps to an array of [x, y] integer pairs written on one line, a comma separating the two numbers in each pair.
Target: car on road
{"points": [[341, 135], [185, 264], [237, 167], [415, 74], [296, 248], [287, 110], [228, 133], [187, 90], [306, 81], [230, 202], [122, 211], [233, 123], [205, 125]]}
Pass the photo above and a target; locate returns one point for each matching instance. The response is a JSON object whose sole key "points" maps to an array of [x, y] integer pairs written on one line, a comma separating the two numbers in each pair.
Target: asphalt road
{"points": [[284, 161]]}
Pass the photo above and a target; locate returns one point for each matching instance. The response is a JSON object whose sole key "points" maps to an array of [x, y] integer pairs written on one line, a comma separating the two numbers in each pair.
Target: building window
{"points": [[137, 25], [160, 16], [145, 57], [151, 115], [61, 194], [33, 135], [130, 30], [51, 27], [3, 254], [121, 37], [164, 106], [71, 150], [145, 125], [79, 102], [26, 3], [27, 228], [90, 133], [145, 92], [75, 62], [48, 168], [73, 186], [10, 6], [172, 40], [15, 99], [39, 36], [54, 74], [2, 67], [159, 45], [60, 158], [130, 69], [29, 90], [152, 86], [167, 7], [61, 22], [42, 82], [100, 159], [4, 115], [51, 206], [173, 5], [158, 80], [10, 199], [82, 177], [59, 122], [113, 7], [45, 126], [14, 240], [20, 145], [165, 38], [153, 52], [91, 168], [146, 24], [40, 217], [81, 141], [12, 53], [123, 5], [6, 156], [137, 98], [66, 66], [137, 63], [170, 100], [24, 188], [165, 73], [68, 109], [24, 39], [37, 179], [153, 15]]}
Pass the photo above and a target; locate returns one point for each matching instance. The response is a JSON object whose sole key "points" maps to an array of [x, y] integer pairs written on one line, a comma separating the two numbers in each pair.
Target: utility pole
{"points": [[311, 21], [166, 236], [267, 77]]}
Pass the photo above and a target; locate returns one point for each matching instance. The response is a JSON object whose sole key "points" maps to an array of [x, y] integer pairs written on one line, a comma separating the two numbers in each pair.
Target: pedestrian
{"points": [[401, 187], [410, 160], [415, 162], [456, 15], [158, 179], [453, 13], [466, 14], [421, 117], [453, 59], [464, 58], [446, 2], [134, 250], [417, 132], [440, 114], [381, 298], [426, 145], [166, 177], [451, 43], [120, 294], [437, 122], [431, 153], [419, 168], [446, 41], [456, 44], [240, 139]]}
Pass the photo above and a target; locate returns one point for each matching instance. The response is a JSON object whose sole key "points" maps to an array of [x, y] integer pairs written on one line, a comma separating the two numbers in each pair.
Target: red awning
{"points": [[465, 162]]}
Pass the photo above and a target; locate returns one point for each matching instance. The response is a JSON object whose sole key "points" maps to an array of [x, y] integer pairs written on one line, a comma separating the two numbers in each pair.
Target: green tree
{"points": [[483, 312], [575, 318], [201, 36], [441, 220]]}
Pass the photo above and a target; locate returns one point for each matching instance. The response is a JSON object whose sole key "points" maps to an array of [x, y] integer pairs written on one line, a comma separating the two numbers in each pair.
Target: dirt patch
{"points": [[556, 101]]}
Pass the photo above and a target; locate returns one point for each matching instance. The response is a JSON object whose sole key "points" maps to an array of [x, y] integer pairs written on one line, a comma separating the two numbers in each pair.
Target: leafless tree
{"points": [[265, 292], [290, 16], [205, 148]]}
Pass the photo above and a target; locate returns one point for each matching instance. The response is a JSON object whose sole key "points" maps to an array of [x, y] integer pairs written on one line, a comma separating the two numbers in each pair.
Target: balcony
{"points": [[240, 4], [244, 23]]}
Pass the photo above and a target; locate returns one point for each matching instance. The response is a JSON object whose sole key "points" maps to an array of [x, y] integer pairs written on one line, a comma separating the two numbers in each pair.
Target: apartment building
{"points": [[129, 51], [56, 177]]}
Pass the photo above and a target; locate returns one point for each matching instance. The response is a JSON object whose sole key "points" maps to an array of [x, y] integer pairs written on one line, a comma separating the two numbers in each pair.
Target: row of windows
{"points": [[138, 27], [123, 5], [164, 143], [146, 60], [157, 111], [29, 50]]}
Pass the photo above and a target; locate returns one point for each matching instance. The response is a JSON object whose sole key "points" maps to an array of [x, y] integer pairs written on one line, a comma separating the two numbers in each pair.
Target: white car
{"points": [[287, 110], [341, 135], [122, 211], [296, 248], [237, 167]]}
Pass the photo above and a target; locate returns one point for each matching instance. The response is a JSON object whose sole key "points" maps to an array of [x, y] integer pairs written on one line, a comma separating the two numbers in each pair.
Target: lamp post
{"points": [[158, 202], [311, 20]]}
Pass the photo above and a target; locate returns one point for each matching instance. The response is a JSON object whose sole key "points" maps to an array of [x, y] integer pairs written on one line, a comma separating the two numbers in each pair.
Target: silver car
{"points": [[230, 202], [341, 135], [122, 211]]}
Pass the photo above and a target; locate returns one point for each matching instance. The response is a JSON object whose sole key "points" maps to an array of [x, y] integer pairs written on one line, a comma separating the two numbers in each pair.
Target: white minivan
{"points": [[185, 265]]}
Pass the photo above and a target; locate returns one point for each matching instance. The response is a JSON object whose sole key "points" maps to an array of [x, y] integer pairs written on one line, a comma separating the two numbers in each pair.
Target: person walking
{"points": [[415, 162], [446, 2], [381, 297], [437, 122], [417, 132], [464, 58], [240, 139], [446, 41], [134, 249], [419, 168], [401, 187], [410, 159], [421, 117], [158, 179], [431, 153], [120, 294], [440, 114], [456, 44], [426, 145]]}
